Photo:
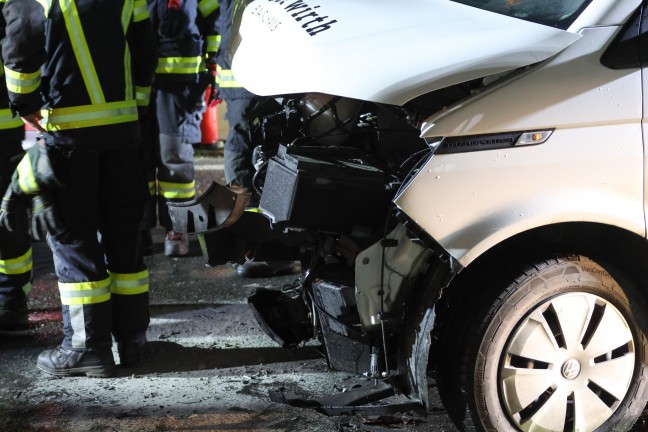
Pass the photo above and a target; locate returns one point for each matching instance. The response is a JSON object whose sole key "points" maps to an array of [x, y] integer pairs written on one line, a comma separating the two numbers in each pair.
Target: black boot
{"points": [[131, 353], [13, 317], [64, 362]]}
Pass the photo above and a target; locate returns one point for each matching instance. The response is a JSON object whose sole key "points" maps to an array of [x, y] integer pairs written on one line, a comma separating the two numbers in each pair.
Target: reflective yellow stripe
{"points": [[55, 119], [129, 283], [8, 121], [253, 210], [82, 293], [207, 6], [127, 13], [142, 95], [151, 186], [15, 266], [81, 51], [213, 43], [26, 178], [21, 82], [177, 190], [225, 78], [179, 65], [141, 12]]}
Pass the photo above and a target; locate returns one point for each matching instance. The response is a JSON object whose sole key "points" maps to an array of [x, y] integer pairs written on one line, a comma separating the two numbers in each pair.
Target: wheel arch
{"points": [[620, 249]]}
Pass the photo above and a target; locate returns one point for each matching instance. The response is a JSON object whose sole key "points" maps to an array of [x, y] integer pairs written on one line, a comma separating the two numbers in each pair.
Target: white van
{"points": [[464, 182]]}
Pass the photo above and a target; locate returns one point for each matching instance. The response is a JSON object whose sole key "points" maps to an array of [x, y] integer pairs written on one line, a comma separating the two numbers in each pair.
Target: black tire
{"points": [[510, 360]]}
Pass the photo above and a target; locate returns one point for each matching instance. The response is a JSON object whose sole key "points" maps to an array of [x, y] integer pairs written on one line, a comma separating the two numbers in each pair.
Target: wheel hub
{"points": [[571, 369]]}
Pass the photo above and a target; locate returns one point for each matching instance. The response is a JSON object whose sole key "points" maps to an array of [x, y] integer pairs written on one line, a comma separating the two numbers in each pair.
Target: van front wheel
{"points": [[558, 349]]}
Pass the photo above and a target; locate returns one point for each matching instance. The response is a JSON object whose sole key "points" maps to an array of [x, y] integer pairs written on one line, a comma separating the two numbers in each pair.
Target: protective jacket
{"points": [[186, 37], [91, 83], [227, 84]]}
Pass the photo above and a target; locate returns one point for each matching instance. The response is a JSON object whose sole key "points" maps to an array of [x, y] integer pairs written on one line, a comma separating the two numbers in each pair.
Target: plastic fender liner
{"points": [[219, 207]]}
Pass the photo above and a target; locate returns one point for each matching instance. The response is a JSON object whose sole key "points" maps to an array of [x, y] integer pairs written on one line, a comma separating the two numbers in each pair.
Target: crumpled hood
{"points": [[378, 50]]}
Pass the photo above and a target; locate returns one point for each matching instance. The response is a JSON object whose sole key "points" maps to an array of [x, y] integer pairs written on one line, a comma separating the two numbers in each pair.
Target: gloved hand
{"points": [[34, 172], [13, 212], [44, 216], [214, 94]]}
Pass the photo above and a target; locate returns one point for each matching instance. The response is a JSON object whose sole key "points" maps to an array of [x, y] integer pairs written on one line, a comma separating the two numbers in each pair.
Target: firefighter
{"points": [[78, 71], [239, 168], [186, 40], [15, 246]]}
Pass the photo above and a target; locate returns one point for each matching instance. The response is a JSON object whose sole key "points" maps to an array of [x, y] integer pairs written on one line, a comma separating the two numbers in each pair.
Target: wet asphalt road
{"points": [[209, 366]]}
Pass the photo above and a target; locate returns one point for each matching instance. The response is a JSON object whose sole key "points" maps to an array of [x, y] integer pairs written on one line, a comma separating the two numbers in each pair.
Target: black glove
{"points": [[13, 211], [44, 216], [34, 172]]}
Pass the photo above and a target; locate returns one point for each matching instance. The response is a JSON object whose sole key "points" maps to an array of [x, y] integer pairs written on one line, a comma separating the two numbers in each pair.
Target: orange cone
{"points": [[209, 123]]}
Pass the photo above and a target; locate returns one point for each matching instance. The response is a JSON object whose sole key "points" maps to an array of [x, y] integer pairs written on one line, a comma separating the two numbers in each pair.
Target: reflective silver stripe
{"points": [[213, 43], [129, 284], [77, 321], [19, 265], [142, 95], [179, 65], [177, 190], [225, 78], [21, 82], [89, 115]]}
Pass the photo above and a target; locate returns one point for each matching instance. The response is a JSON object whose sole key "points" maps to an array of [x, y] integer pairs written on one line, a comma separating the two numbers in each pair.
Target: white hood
{"points": [[380, 50]]}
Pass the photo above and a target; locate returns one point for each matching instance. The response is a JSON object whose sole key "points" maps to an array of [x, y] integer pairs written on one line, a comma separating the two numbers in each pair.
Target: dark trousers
{"points": [[15, 246], [98, 246]]}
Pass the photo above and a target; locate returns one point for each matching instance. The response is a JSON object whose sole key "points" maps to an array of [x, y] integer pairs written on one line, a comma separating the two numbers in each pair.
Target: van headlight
{"points": [[462, 144]]}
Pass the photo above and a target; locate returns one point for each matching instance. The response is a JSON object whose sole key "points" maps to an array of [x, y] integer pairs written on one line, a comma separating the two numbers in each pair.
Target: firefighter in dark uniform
{"points": [[15, 246], [78, 71], [186, 39], [239, 168]]}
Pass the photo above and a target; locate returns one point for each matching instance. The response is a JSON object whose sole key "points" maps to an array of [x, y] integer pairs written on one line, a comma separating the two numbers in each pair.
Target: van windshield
{"points": [[553, 13]]}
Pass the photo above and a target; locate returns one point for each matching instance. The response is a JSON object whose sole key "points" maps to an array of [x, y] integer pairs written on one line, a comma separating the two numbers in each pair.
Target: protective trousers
{"points": [[103, 281], [178, 112], [238, 150], [15, 246]]}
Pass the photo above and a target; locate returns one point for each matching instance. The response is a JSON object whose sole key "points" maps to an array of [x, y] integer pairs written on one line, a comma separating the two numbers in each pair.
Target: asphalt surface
{"points": [[209, 366]]}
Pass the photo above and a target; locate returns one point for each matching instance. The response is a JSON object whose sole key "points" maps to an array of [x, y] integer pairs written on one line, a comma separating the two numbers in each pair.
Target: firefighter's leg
{"points": [[15, 248], [179, 124], [150, 150], [84, 283], [15, 277], [238, 152], [121, 206]]}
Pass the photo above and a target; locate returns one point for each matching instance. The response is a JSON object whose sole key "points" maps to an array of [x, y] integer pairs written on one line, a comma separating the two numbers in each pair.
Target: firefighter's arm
{"points": [[209, 13], [141, 41], [23, 51]]}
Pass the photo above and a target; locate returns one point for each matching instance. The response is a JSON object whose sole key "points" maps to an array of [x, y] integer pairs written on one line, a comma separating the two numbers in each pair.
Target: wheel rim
{"points": [[568, 364]]}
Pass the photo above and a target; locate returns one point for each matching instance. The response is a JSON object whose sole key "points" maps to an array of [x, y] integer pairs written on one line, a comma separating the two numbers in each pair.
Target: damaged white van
{"points": [[464, 183]]}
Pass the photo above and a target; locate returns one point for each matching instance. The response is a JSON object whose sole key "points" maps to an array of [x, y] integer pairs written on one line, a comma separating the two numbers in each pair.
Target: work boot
{"points": [[13, 317], [63, 362], [260, 269], [176, 244], [131, 353]]}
